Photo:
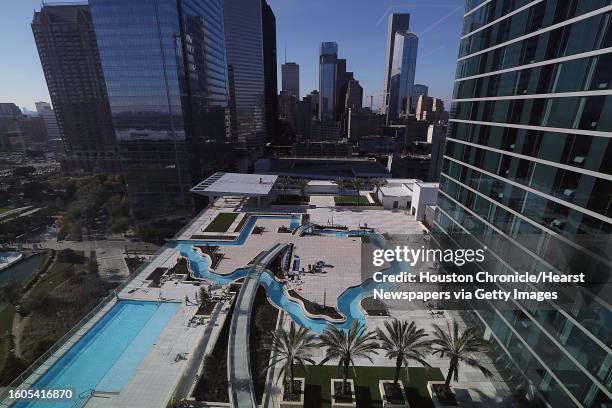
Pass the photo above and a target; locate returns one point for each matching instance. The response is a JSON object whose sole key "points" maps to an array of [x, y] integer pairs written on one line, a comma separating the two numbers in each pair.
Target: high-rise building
{"points": [[68, 52], [291, 78], [244, 43], [526, 174], [313, 98], [328, 81], [48, 115], [270, 74], [402, 72], [396, 22], [354, 95], [417, 90], [166, 76]]}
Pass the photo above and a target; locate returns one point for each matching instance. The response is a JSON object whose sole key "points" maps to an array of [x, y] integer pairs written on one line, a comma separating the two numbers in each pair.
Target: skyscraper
{"points": [[527, 174], [291, 78], [395, 22], [417, 90], [270, 71], [244, 44], [354, 95], [166, 76], [328, 60], [402, 72], [45, 111], [70, 60]]}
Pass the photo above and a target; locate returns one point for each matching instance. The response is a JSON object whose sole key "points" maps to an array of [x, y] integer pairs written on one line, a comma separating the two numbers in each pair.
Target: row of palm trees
{"points": [[401, 341], [356, 183]]}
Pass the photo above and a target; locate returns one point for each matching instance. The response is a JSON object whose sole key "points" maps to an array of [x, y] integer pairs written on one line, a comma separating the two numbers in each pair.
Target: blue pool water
{"points": [[107, 355], [349, 302]]}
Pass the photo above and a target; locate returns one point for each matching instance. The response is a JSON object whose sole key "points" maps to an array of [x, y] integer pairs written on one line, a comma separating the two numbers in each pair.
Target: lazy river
{"points": [[348, 303]]}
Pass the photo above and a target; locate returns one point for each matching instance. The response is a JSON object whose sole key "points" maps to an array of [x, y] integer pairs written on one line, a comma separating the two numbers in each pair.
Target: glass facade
{"points": [[328, 72], [396, 22], [402, 72], [527, 173], [166, 74], [245, 54], [68, 52]]}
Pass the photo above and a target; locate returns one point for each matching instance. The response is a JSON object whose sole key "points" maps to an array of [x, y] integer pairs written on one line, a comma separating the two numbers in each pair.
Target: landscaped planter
{"points": [[299, 403], [440, 397], [392, 401], [336, 383]]}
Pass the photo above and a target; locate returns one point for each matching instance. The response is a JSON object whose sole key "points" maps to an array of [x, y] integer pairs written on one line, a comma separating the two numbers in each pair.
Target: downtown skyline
{"points": [[437, 24]]}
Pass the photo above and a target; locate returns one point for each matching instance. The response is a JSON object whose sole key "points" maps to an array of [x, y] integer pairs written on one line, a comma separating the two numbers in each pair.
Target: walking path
{"points": [[241, 392]]}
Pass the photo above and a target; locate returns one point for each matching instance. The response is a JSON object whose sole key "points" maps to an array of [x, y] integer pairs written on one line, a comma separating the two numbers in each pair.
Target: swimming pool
{"points": [[107, 355]]}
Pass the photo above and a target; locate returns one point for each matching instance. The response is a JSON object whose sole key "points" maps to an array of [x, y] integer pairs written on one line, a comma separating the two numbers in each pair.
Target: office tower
{"points": [[68, 52], [287, 106], [313, 97], [291, 78], [527, 173], [11, 138], [33, 128], [9, 112], [166, 75], [402, 72], [354, 95], [328, 59], [395, 22], [303, 118], [48, 115], [417, 90], [270, 74], [244, 44]]}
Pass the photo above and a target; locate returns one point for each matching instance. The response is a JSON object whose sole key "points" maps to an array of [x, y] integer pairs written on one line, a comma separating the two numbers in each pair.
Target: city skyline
{"points": [[438, 25]]}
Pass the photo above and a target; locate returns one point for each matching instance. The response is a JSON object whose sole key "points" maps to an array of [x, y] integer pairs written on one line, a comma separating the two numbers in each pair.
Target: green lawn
{"points": [[221, 222], [351, 200], [366, 385], [3, 210]]}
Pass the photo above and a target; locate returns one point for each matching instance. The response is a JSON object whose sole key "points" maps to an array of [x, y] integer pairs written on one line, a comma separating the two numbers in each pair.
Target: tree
{"points": [[301, 184], [357, 184], [10, 293], [378, 183], [284, 182], [345, 346], [290, 348], [341, 185], [403, 342], [460, 347]]}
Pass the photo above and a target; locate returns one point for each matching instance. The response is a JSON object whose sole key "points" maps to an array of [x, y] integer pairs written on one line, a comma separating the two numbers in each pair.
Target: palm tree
{"points": [[345, 346], [284, 182], [301, 184], [291, 348], [404, 342], [378, 183], [341, 185], [460, 347], [357, 184]]}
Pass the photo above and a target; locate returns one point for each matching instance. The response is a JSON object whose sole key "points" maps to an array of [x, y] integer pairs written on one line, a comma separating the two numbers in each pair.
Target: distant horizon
{"points": [[359, 27]]}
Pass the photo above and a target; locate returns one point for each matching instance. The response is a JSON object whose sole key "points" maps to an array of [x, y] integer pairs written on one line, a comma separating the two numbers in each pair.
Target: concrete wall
{"points": [[423, 194]]}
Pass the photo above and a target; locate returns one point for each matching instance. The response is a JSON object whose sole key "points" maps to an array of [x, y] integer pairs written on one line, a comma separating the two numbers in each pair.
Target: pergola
{"points": [[236, 185]]}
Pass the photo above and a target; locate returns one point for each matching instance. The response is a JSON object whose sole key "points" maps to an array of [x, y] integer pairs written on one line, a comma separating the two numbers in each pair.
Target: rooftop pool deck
{"points": [[108, 354]]}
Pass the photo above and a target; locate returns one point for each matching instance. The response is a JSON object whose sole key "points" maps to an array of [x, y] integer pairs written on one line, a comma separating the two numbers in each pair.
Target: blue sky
{"points": [[358, 26]]}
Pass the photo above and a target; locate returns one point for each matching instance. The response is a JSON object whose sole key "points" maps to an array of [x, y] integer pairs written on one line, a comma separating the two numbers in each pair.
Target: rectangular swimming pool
{"points": [[107, 355]]}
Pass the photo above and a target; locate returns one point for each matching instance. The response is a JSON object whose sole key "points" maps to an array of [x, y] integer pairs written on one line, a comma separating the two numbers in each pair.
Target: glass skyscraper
{"points": [[166, 74], [527, 173], [395, 22], [245, 54], [328, 61], [68, 52], [402, 72]]}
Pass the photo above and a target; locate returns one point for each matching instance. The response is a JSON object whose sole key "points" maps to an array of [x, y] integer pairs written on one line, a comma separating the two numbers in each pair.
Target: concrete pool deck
{"points": [[154, 381]]}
